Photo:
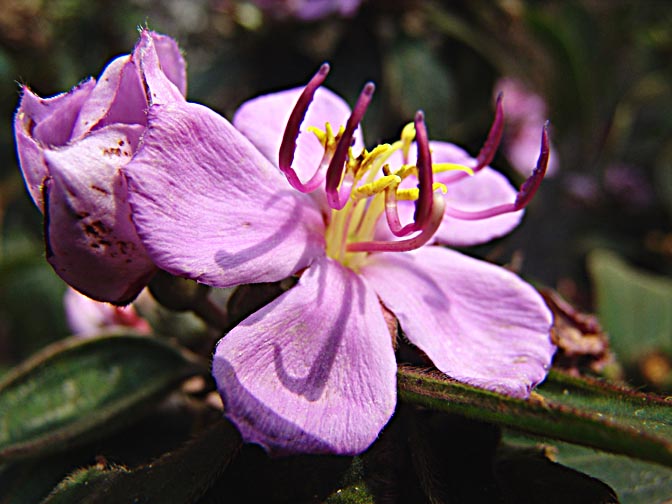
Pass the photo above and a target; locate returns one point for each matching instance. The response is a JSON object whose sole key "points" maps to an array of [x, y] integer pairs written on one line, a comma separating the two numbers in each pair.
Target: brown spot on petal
{"points": [[110, 151], [100, 189]]}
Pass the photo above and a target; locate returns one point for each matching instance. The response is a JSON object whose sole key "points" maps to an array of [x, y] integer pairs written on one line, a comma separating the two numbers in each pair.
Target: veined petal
{"points": [[263, 121], [159, 87], [313, 371], [476, 321], [210, 207], [41, 122], [117, 97], [486, 189], [91, 240], [171, 60]]}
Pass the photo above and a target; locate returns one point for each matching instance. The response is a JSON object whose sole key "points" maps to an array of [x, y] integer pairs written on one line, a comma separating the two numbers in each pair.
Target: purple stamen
{"points": [[487, 152], [431, 225], [527, 190], [335, 171], [288, 145], [423, 206]]}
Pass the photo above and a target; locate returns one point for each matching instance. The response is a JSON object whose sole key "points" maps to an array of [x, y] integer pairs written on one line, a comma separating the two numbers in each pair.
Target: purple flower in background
{"points": [[308, 10], [314, 371], [71, 148], [87, 317], [525, 114]]}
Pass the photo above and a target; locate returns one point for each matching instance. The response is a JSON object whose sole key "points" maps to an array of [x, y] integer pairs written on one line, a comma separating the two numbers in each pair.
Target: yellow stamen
{"points": [[413, 194], [445, 167], [378, 186], [407, 137]]}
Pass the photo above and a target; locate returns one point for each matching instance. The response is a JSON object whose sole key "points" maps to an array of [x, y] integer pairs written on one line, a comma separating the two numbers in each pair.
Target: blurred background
{"points": [[599, 229]]}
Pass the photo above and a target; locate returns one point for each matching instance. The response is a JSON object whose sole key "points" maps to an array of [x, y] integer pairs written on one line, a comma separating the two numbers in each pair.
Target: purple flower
{"points": [[71, 148], [525, 114], [87, 317], [314, 370], [308, 10]]}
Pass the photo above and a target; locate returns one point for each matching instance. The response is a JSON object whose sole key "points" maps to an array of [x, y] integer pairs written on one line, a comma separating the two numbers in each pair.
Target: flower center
{"points": [[362, 187], [374, 189]]}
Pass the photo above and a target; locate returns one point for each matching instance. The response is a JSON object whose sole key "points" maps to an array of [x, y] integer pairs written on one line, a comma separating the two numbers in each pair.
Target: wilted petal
{"points": [[477, 322], [91, 240], [314, 371], [263, 121], [209, 206], [486, 189]]}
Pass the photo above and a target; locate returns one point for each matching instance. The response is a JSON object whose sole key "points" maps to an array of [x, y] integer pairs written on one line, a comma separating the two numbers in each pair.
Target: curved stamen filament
{"points": [[336, 168], [525, 194], [426, 233], [487, 152], [288, 145], [424, 202]]}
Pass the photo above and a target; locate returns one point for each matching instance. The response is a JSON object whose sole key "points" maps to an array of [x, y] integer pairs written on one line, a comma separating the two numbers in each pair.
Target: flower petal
{"points": [[313, 371], [160, 88], [117, 97], [210, 207], [263, 121], [91, 241], [41, 122], [171, 60], [486, 189], [476, 321]]}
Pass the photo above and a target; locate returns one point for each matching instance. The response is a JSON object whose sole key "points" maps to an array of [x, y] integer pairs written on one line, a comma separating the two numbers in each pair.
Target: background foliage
{"points": [[598, 231]]}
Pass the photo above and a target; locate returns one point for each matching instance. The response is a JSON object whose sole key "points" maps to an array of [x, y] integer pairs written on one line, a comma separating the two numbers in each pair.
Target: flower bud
{"points": [[71, 148]]}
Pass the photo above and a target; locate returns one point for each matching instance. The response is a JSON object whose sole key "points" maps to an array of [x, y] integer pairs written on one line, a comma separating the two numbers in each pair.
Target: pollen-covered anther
{"points": [[377, 187], [413, 193], [407, 137]]}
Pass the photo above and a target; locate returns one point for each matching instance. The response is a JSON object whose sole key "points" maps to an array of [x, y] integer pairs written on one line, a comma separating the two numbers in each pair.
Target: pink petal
{"points": [[263, 121], [477, 322], [312, 372], [91, 241], [117, 97], [210, 207], [160, 88], [487, 188], [42, 122], [172, 62]]}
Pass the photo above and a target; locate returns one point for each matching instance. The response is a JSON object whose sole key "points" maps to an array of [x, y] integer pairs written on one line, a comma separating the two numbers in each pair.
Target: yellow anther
{"points": [[413, 193], [444, 167], [376, 187], [406, 170], [408, 194], [407, 137], [321, 135]]}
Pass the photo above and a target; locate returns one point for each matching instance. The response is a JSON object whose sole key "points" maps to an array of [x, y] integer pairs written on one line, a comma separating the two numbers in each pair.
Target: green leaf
{"points": [[577, 410], [178, 477], [634, 306], [80, 389], [634, 481]]}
